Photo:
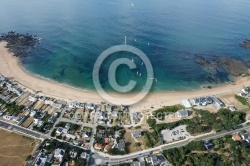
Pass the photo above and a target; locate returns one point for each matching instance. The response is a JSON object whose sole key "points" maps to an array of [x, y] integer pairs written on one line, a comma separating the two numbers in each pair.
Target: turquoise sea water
{"points": [[74, 33]]}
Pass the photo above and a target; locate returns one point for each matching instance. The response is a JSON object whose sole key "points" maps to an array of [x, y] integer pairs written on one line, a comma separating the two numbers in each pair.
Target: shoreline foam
{"points": [[11, 67]]}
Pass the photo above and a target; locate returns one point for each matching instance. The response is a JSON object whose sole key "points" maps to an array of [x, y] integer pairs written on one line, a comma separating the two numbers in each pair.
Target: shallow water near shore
{"points": [[170, 33]]}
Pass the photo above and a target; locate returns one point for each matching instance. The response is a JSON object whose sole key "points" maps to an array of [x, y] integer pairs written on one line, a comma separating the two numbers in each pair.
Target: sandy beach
{"points": [[10, 67]]}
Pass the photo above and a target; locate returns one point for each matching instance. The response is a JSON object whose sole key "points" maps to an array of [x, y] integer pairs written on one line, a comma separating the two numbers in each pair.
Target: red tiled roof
{"points": [[237, 137], [98, 146], [107, 148], [107, 140]]}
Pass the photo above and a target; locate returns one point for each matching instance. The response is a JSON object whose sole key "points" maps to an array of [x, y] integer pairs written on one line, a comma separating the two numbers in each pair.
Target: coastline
{"points": [[11, 67]]}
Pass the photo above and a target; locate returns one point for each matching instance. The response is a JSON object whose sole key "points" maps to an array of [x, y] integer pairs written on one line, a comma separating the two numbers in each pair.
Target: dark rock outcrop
{"points": [[245, 44], [20, 44]]}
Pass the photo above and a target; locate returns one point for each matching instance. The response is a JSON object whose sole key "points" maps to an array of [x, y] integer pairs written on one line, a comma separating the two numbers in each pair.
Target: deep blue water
{"points": [[74, 33]]}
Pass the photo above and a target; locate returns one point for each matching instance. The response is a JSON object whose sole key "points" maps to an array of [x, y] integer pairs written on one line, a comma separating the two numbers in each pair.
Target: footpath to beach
{"points": [[10, 67]]}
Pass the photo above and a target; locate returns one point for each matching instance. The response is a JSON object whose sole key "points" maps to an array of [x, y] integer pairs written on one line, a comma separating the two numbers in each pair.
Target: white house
{"points": [[186, 103], [36, 121], [59, 153], [73, 153], [40, 123], [17, 91], [72, 104], [59, 130], [65, 131], [32, 99], [182, 113], [49, 102], [56, 105], [84, 155], [90, 106], [2, 83], [9, 86], [41, 159], [32, 113], [7, 117], [136, 134], [71, 136], [232, 108], [42, 98], [245, 90], [2, 78]]}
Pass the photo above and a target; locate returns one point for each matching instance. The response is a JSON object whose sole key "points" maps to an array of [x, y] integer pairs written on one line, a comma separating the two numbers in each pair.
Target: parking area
{"points": [[175, 134]]}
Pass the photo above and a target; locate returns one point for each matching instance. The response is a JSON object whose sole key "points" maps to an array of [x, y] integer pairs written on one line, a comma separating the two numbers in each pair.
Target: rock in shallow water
{"points": [[245, 44], [219, 69], [20, 44]]}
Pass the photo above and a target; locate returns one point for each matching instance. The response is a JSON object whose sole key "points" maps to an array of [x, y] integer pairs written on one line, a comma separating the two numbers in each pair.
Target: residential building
{"points": [[67, 126], [73, 153], [236, 137], [32, 113], [245, 90], [136, 117], [42, 98], [218, 102], [136, 134], [71, 136], [57, 106], [98, 146], [49, 102], [87, 134], [2, 78], [109, 108], [107, 148], [138, 163], [120, 145], [208, 145], [59, 154], [32, 99], [41, 159], [186, 103], [90, 106], [114, 113], [8, 117], [84, 155], [107, 140], [117, 134], [59, 130], [17, 91], [245, 136], [232, 108], [182, 113]]}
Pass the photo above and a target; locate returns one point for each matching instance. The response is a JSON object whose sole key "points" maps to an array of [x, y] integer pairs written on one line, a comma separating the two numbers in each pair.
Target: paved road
{"points": [[101, 158], [17, 128], [112, 160]]}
